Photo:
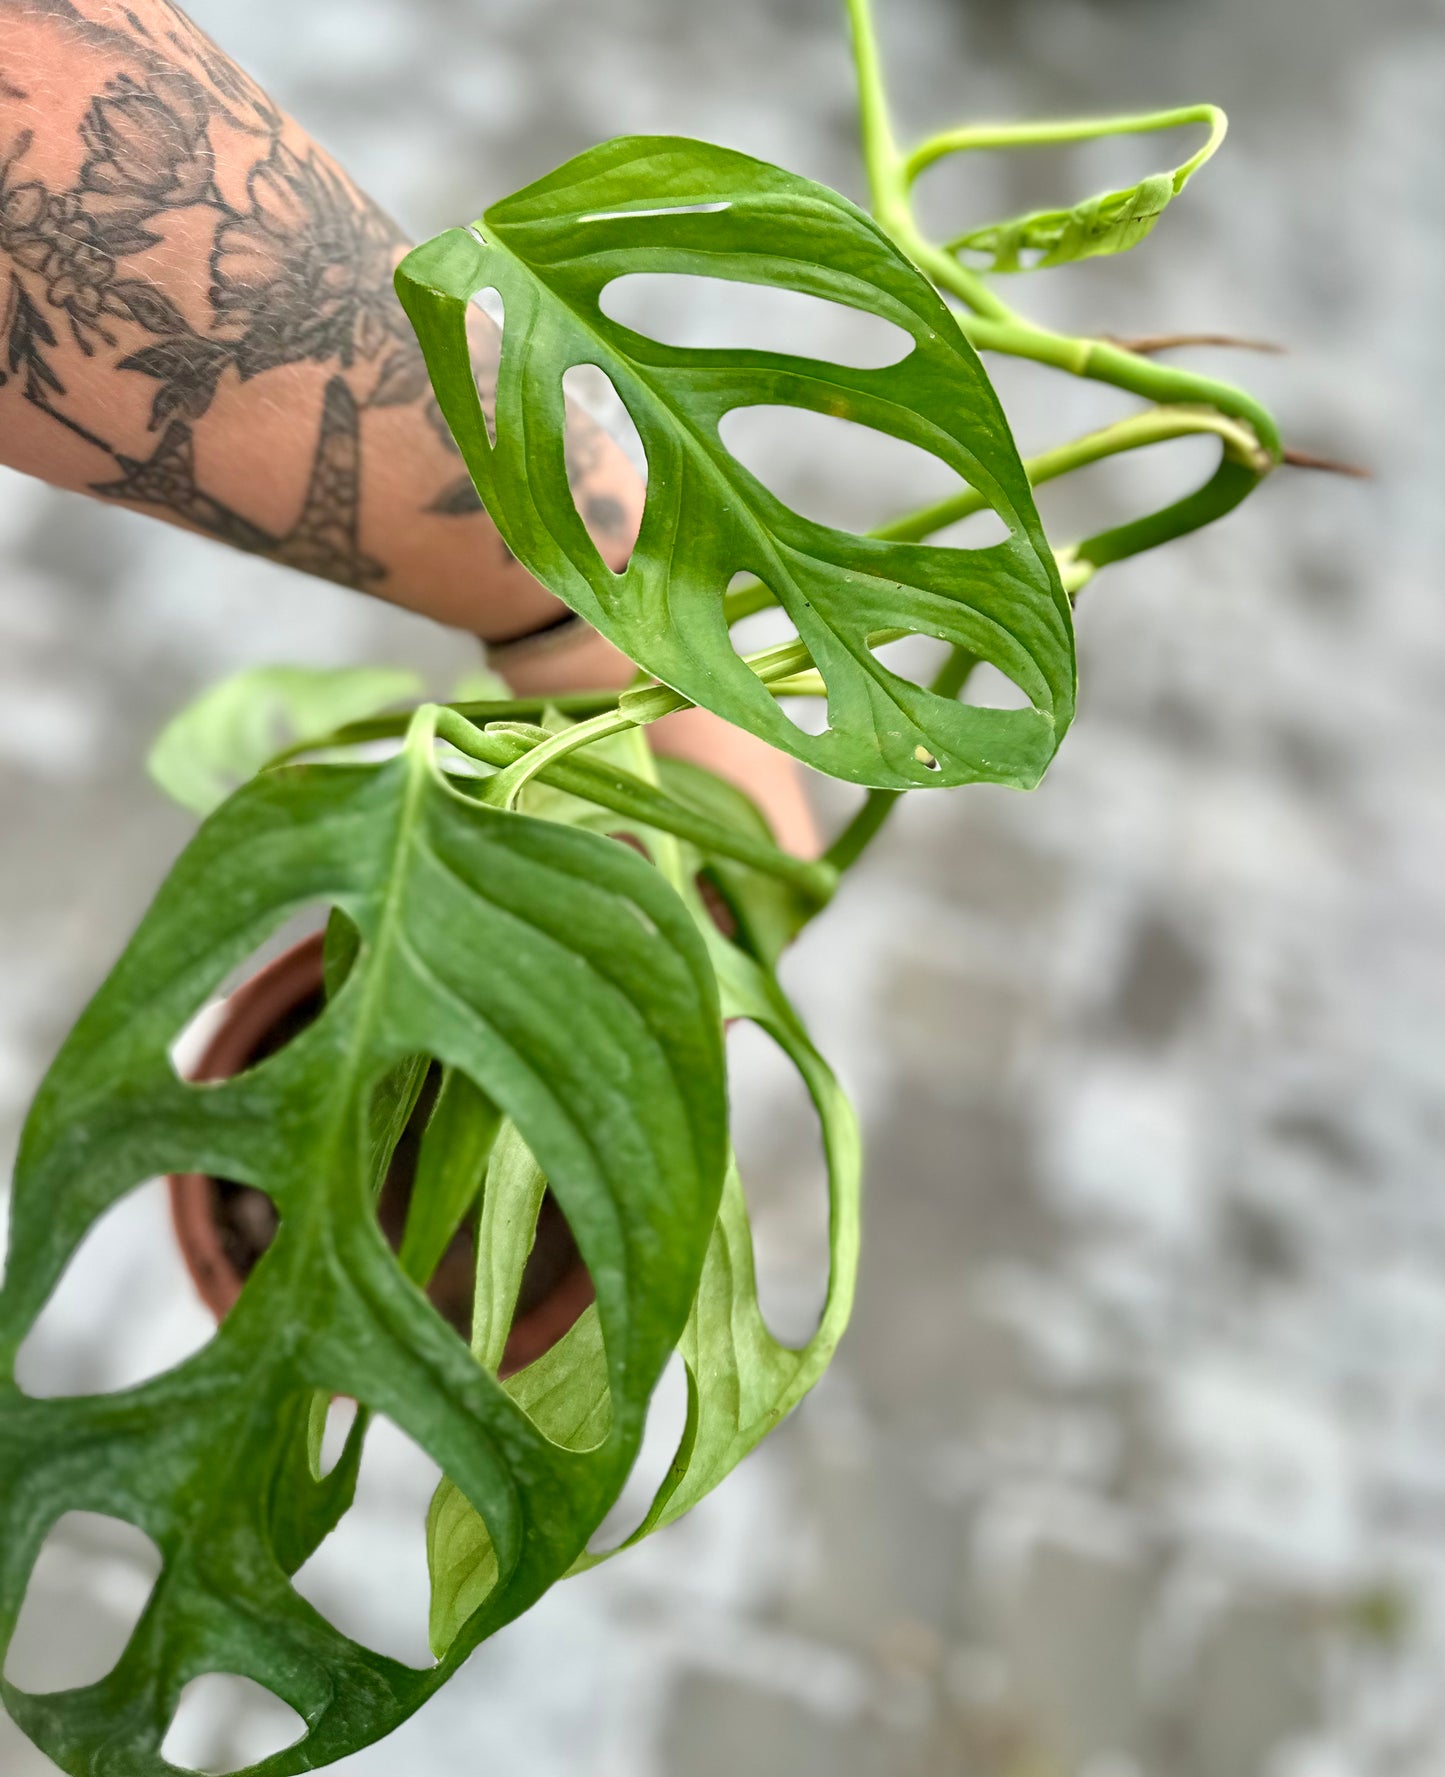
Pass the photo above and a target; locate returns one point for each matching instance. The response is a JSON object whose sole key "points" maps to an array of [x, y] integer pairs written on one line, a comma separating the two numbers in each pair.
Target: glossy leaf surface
{"points": [[559, 974], [667, 204]]}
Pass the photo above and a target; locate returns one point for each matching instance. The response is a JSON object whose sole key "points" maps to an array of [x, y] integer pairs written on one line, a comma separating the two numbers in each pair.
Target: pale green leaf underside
{"points": [[666, 204], [227, 734], [741, 1380], [560, 975]]}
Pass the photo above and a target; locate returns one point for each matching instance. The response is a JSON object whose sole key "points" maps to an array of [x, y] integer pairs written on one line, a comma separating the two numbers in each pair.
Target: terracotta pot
{"points": [[224, 1227]]}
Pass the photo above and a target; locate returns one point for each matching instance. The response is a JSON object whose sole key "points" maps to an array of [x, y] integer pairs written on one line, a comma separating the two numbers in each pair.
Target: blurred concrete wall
{"points": [[1134, 1462]]}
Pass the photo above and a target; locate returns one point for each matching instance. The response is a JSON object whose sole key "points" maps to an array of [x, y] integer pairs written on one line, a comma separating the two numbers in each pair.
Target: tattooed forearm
{"points": [[167, 233]]}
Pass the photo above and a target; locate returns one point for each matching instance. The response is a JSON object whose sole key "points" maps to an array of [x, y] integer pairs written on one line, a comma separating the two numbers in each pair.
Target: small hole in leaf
{"points": [[664, 210], [486, 325], [90, 1338], [979, 530], [369, 1577], [989, 689], [915, 658], [726, 314], [578, 1415], [832, 470], [926, 759], [340, 1417], [666, 1421], [784, 1174], [87, 1590], [224, 1723]]}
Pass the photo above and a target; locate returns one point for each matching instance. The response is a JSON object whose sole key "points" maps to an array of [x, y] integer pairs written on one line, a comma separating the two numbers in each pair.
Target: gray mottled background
{"points": [[1134, 1460]]}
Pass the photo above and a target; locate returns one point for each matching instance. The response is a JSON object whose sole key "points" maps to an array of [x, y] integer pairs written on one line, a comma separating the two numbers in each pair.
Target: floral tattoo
{"points": [[300, 272]]}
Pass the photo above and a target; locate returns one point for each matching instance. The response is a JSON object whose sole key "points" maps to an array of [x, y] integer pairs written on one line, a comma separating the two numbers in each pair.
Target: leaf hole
{"points": [[835, 471], [682, 309], [340, 1418], [666, 210], [606, 503], [554, 1287], [90, 1338], [780, 1159], [260, 1006], [666, 1421], [771, 627], [88, 1588], [486, 330], [767, 628], [225, 1722], [369, 1577], [486, 333], [989, 689], [916, 658], [978, 530], [272, 1010]]}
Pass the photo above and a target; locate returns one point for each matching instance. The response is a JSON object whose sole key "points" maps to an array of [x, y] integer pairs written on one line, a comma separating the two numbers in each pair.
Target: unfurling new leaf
{"points": [[1110, 222]]}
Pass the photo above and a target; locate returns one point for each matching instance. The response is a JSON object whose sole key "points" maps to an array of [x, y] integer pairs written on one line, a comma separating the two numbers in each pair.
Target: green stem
{"points": [[887, 176], [507, 785], [881, 158], [1134, 432], [993, 325], [505, 709], [1104, 362], [1137, 430], [862, 830], [632, 797], [1087, 129]]}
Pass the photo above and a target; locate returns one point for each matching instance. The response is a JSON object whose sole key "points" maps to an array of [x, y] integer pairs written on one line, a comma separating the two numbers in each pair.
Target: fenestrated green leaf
{"points": [[1111, 222], [558, 972], [741, 1380], [229, 732], [666, 204]]}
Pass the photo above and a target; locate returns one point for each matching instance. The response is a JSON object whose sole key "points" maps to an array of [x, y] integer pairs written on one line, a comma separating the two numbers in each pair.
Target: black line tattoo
{"points": [[297, 272], [324, 538]]}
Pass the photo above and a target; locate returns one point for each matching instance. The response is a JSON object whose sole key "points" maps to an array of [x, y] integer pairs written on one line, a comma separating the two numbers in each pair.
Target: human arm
{"points": [[197, 320]]}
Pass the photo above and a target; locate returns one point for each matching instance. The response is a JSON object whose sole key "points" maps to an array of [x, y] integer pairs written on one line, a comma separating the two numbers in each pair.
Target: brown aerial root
{"points": [[1303, 459], [1145, 344]]}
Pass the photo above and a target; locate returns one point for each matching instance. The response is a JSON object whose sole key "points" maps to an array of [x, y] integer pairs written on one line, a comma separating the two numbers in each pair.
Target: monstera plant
{"points": [[568, 993]]}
